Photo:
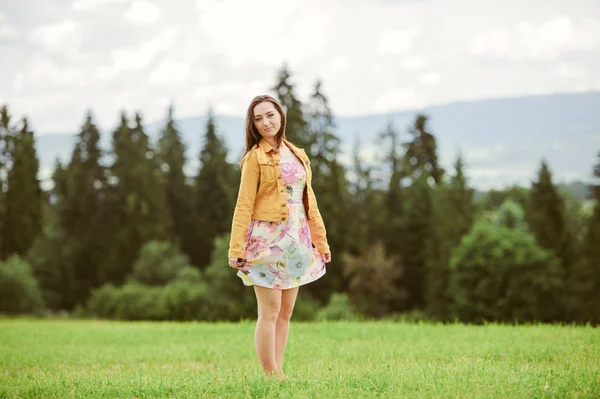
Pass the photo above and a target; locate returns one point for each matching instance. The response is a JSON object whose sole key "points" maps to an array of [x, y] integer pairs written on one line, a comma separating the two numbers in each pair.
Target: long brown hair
{"points": [[252, 135]]}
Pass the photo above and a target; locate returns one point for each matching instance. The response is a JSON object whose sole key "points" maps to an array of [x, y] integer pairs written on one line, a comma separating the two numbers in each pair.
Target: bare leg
{"points": [[269, 304], [288, 300]]}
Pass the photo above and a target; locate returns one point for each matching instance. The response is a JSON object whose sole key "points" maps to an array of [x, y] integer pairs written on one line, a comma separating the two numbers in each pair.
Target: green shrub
{"points": [[501, 274], [338, 308], [19, 291], [158, 263], [103, 302]]}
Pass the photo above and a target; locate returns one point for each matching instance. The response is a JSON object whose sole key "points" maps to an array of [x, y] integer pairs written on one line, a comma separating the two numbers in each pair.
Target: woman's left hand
{"points": [[327, 257]]}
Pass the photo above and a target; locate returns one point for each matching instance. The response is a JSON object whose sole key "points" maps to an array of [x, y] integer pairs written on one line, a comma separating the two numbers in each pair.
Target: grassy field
{"points": [[99, 359]]}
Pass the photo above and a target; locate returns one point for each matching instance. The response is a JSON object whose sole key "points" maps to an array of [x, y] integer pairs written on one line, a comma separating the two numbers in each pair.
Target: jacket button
{"points": [[283, 219], [283, 205]]}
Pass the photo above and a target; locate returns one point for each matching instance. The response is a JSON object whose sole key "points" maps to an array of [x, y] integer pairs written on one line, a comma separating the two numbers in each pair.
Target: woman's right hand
{"points": [[233, 263]]}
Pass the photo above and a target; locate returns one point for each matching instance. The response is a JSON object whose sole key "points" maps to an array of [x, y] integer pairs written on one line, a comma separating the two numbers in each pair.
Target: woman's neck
{"points": [[272, 142]]}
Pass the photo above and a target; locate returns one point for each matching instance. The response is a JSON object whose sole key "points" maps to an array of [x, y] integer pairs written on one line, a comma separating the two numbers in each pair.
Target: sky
{"points": [[60, 58]]}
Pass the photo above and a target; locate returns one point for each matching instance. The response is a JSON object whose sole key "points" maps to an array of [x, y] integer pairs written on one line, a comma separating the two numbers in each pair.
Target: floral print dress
{"points": [[280, 255]]}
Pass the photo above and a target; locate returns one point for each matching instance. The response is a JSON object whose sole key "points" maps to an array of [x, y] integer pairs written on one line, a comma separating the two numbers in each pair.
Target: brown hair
{"points": [[252, 135]]}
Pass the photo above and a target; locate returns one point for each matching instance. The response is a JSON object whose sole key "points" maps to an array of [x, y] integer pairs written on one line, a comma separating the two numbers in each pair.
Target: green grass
{"points": [[98, 359]]}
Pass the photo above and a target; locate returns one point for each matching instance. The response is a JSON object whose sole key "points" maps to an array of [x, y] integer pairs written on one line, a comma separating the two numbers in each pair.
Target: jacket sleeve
{"points": [[317, 227], [244, 206]]}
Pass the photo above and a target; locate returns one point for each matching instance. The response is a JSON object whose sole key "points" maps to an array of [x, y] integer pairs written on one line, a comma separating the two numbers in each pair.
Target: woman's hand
{"points": [[233, 263], [327, 257]]}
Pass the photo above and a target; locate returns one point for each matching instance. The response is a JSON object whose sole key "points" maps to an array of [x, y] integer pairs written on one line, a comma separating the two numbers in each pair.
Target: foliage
{"points": [[19, 292], [500, 274], [373, 281], [158, 263], [338, 308]]}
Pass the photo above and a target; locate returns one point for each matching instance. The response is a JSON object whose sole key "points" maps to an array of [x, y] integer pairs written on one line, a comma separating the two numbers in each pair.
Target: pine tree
{"points": [[420, 165], [296, 129], [23, 218], [136, 207], [546, 216], [421, 152], [214, 195], [453, 215], [178, 193], [547, 219], [6, 133], [584, 280], [330, 186], [394, 207], [82, 212], [416, 240]]}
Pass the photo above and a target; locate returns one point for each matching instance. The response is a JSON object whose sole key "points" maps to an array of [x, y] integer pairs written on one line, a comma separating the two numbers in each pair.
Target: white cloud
{"points": [[142, 12], [429, 78], [338, 64], [44, 72], [395, 42], [140, 58], [18, 83], [414, 63], [53, 36], [546, 41], [248, 31], [398, 98], [87, 5], [568, 70], [170, 72], [7, 31]]}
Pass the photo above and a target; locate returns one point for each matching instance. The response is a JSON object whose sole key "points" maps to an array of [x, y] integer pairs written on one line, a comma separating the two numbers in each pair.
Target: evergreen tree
{"points": [[417, 240], [453, 214], [23, 206], [52, 254], [330, 186], [81, 213], [178, 193], [6, 133], [214, 196], [136, 206], [296, 129], [421, 152], [546, 216], [420, 165], [584, 281], [547, 219], [390, 139], [365, 205]]}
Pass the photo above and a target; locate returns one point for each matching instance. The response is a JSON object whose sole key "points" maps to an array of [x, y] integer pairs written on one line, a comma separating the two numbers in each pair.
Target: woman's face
{"points": [[266, 119]]}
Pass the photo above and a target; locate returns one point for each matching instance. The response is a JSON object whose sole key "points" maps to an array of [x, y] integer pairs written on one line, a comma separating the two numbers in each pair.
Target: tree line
{"points": [[126, 233]]}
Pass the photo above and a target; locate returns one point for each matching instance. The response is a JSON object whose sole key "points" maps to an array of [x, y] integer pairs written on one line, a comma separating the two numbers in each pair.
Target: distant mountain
{"points": [[502, 140]]}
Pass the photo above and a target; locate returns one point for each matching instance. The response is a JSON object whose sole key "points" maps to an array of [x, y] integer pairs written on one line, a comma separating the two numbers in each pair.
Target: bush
{"points": [[103, 302], [185, 298], [19, 291], [501, 274], [338, 308], [373, 281], [227, 297], [158, 263]]}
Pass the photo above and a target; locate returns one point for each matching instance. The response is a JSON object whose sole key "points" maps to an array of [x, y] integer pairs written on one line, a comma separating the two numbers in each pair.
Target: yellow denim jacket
{"points": [[262, 197]]}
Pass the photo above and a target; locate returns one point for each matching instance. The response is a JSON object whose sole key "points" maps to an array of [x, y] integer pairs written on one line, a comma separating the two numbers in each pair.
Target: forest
{"points": [[127, 234]]}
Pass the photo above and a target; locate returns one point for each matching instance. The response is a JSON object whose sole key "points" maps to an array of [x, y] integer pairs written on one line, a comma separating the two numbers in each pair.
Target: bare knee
{"points": [[268, 312], [285, 313]]}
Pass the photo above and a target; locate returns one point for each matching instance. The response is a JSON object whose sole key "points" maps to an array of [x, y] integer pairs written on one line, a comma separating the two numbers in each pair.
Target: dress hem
{"points": [[288, 288]]}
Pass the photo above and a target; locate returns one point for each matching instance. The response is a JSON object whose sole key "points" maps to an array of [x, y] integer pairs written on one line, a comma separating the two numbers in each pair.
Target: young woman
{"points": [[278, 239]]}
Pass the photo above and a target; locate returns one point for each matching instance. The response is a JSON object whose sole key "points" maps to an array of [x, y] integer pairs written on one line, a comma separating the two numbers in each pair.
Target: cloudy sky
{"points": [[61, 57]]}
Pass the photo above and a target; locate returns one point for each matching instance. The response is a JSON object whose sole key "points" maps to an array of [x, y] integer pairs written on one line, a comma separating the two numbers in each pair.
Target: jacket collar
{"points": [[266, 147]]}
